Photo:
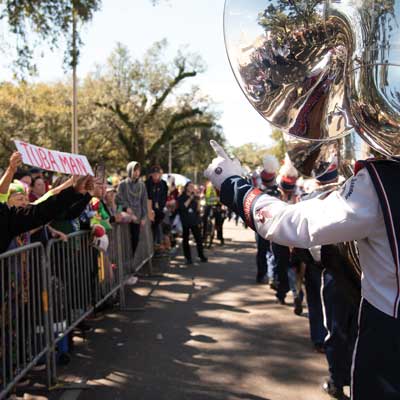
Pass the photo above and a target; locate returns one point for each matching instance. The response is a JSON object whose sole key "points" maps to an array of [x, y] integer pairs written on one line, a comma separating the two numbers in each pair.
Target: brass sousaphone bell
{"points": [[326, 73], [319, 70]]}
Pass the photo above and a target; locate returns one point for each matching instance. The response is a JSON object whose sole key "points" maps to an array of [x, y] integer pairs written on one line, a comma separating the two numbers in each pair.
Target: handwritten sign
{"points": [[52, 160]]}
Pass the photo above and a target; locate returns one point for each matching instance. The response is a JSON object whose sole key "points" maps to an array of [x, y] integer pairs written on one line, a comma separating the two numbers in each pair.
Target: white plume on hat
{"points": [[288, 168], [270, 164]]}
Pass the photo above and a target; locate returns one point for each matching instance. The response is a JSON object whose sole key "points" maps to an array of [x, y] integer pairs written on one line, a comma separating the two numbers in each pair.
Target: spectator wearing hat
{"points": [[109, 200], [23, 176], [157, 192], [17, 220]]}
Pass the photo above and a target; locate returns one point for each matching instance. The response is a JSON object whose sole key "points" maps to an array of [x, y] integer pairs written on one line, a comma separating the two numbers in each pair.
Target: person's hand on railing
{"points": [[57, 234]]}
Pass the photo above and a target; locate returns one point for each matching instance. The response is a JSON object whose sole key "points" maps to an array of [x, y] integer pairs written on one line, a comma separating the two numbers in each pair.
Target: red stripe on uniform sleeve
{"points": [[247, 206]]}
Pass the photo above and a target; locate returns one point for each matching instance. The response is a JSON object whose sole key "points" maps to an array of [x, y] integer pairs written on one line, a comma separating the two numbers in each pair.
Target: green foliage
{"points": [[127, 110], [49, 21], [252, 154], [148, 105], [285, 16], [279, 150], [35, 113]]}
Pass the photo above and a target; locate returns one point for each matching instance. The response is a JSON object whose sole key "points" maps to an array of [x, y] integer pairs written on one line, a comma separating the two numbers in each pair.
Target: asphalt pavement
{"points": [[205, 331]]}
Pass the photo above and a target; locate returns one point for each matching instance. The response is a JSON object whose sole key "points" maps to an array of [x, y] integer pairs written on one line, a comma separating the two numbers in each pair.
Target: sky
{"points": [[195, 23]]}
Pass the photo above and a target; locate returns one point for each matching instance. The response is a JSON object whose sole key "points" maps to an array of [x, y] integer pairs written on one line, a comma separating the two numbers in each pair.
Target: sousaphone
{"points": [[324, 72]]}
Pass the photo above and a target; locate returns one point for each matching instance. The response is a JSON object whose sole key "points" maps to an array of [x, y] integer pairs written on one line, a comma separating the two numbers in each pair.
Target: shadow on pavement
{"points": [[206, 332]]}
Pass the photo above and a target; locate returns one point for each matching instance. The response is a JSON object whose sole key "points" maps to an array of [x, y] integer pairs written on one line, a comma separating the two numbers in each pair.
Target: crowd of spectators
{"points": [[38, 206], [129, 198]]}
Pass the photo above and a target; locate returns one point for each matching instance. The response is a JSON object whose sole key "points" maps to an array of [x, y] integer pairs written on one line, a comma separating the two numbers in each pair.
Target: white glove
{"points": [[222, 167]]}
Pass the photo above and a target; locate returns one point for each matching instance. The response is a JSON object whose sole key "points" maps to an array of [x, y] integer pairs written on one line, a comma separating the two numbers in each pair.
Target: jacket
{"points": [[15, 221]]}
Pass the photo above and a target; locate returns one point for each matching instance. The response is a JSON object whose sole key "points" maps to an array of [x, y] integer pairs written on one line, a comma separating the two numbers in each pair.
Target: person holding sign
{"points": [[15, 221]]}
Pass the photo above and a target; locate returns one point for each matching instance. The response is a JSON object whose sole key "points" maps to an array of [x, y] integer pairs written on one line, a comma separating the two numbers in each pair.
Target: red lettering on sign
{"points": [[74, 169], [36, 155], [42, 155], [26, 147], [54, 165], [81, 166], [65, 163]]}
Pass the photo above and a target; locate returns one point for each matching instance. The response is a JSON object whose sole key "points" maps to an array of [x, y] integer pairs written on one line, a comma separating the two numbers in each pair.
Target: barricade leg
{"points": [[121, 266]]}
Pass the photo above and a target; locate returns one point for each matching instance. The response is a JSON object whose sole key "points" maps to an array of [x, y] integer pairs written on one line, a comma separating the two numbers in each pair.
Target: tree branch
{"points": [[172, 129], [160, 100], [124, 117], [123, 138]]}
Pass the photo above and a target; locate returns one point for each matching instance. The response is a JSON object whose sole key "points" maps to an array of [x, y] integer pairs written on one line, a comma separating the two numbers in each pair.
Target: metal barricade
{"points": [[127, 262], [71, 283], [46, 293], [145, 249], [122, 247], [24, 317]]}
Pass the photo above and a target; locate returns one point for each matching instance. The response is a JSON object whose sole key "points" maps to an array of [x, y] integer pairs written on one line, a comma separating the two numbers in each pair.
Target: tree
{"points": [[284, 17], [250, 154], [279, 150], [47, 21], [41, 114], [146, 103]]}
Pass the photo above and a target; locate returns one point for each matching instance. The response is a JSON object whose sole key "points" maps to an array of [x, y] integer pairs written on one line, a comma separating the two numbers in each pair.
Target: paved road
{"points": [[205, 332]]}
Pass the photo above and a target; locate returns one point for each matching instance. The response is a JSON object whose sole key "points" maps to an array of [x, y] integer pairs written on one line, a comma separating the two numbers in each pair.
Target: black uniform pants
{"points": [[262, 248], [340, 320], [185, 241], [282, 259], [312, 280], [376, 360]]}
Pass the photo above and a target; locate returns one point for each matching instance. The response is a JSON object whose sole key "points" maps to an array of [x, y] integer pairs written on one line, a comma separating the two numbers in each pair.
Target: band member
{"points": [[330, 300], [269, 186], [364, 209]]}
